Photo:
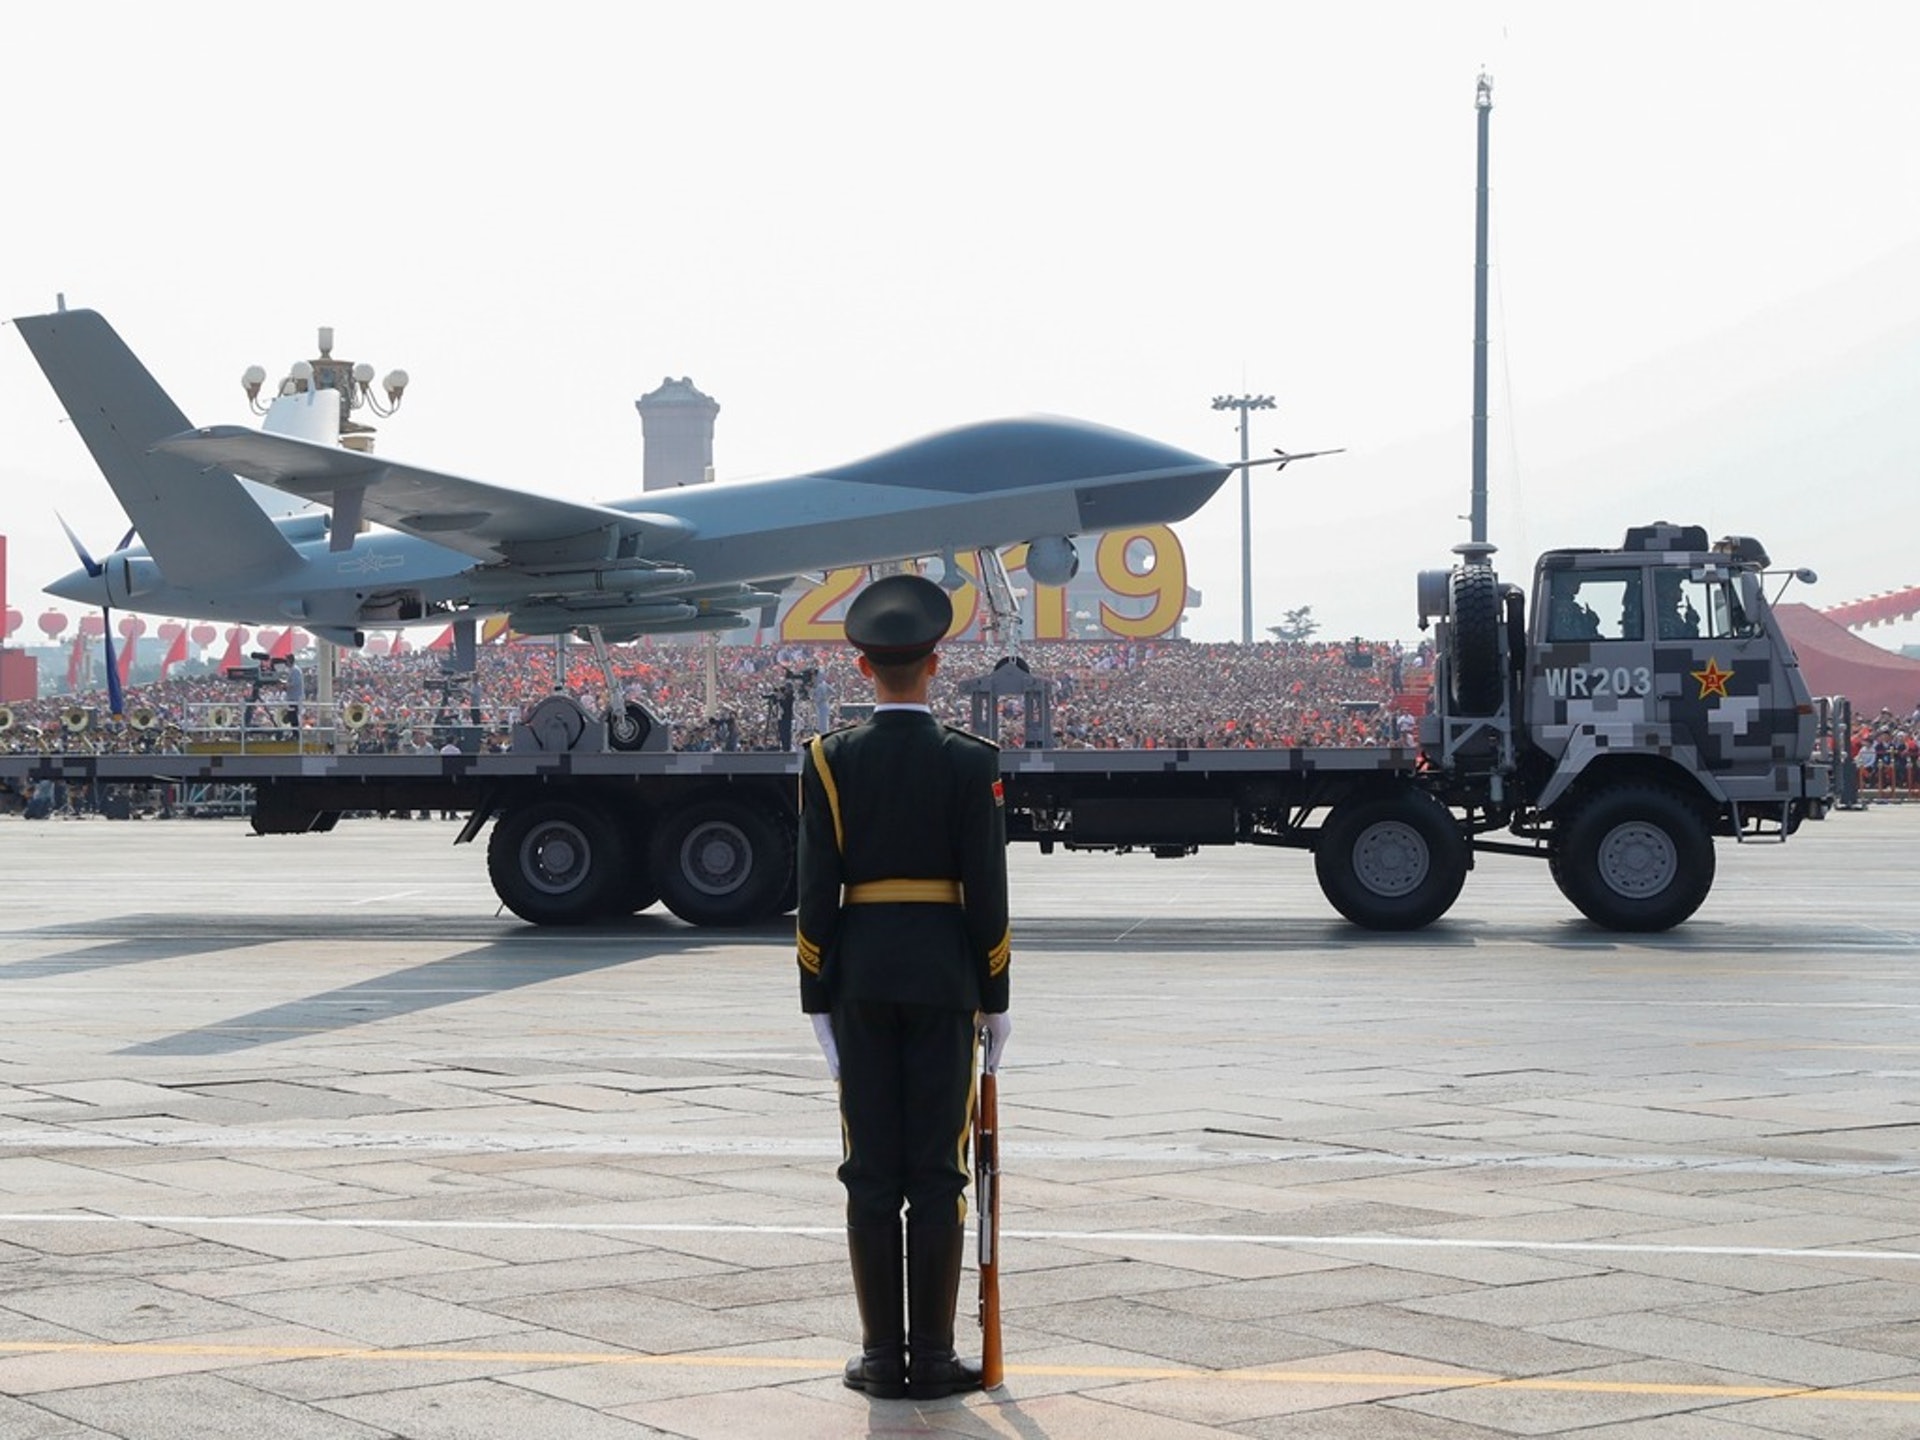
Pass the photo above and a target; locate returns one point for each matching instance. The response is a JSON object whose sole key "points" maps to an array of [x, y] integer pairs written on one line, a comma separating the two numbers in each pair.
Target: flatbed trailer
{"points": [[585, 835]]}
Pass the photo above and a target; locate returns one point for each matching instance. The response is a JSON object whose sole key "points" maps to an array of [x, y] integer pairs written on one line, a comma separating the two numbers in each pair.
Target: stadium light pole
{"points": [[1244, 403], [1477, 518]]}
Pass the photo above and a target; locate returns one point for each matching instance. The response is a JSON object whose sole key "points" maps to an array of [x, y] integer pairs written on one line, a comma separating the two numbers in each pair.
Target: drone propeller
{"points": [[116, 700]]}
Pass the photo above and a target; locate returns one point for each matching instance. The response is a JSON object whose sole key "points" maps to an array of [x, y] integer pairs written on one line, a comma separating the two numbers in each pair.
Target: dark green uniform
{"points": [[902, 942], [903, 798]]}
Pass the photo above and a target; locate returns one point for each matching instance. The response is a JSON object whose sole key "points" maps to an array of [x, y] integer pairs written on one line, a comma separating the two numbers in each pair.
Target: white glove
{"points": [[998, 1028], [823, 1032]]}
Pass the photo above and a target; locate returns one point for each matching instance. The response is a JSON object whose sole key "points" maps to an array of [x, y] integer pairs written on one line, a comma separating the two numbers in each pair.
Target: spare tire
{"points": [[1473, 642]]}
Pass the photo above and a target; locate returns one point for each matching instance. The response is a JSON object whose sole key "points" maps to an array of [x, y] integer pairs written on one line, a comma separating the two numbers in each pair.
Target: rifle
{"points": [[986, 1150]]}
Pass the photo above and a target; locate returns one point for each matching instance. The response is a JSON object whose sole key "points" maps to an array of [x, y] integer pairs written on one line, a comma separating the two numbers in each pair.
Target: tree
{"points": [[1298, 625]]}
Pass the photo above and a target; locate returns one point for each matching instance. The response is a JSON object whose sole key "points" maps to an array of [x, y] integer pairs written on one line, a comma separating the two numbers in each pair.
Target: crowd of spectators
{"points": [[1116, 694], [1106, 694], [1886, 753]]}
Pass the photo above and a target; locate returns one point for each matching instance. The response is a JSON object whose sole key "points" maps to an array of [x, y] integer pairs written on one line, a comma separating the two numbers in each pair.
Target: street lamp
{"points": [[1244, 403], [354, 384]]}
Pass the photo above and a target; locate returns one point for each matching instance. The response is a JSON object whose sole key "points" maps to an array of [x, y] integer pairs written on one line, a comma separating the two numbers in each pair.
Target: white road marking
{"points": [[1233, 1149], [1104, 1237]]}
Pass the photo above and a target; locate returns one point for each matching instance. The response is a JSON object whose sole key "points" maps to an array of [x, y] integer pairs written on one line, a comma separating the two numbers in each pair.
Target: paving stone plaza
{"points": [[300, 1138]]}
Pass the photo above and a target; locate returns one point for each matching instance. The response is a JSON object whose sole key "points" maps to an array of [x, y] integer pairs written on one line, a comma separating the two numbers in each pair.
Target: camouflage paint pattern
{"points": [[1730, 708]]}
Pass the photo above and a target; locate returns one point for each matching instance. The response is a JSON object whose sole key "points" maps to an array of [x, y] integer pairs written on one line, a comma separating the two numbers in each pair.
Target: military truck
{"points": [[1649, 706]]}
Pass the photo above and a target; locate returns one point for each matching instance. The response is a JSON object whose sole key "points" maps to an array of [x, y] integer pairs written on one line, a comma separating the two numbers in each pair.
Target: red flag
{"points": [[236, 637], [76, 657], [283, 647], [176, 653], [126, 657], [445, 642]]}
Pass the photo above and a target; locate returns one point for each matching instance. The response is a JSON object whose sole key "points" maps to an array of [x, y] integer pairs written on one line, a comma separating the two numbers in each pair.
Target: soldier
{"points": [[1676, 617], [903, 944], [1572, 618]]}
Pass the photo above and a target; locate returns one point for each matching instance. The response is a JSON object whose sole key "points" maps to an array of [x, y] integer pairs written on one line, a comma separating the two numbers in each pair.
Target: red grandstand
{"points": [[1835, 661], [1877, 609]]}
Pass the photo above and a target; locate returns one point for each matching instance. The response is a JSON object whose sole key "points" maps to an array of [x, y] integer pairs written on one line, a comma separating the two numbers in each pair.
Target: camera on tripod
{"points": [[261, 673]]}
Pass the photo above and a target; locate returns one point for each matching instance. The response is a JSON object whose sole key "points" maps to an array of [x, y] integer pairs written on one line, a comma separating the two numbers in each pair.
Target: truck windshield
{"points": [[1686, 608]]}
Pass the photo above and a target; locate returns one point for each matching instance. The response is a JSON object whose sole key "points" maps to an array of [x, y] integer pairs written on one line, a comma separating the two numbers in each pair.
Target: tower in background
{"points": [[676, 428]]}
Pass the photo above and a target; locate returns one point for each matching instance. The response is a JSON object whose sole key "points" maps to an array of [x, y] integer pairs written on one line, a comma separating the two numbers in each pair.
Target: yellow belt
{"points": [[904, 892]]}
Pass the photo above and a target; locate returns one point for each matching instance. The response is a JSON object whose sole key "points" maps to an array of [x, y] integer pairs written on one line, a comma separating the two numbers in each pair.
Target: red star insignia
{"points": [[1713, 680]]}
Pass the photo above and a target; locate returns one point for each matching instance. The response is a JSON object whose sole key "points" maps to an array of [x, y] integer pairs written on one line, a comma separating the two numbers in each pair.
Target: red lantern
{"points": [[14, 620], [265, 639], [133, 627], [203, 635], [93, 626], [378, 644], [170, 630], [52, 622], [236, 634], [301, 640]]}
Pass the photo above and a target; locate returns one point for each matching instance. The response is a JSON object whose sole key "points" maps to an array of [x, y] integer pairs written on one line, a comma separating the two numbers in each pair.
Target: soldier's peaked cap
{"points": [[899, 619]]}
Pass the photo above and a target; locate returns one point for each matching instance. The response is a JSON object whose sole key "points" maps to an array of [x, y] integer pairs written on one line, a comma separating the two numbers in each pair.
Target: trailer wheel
{"points": [[721, 861], [557, 862], [1635, 857], [633, 889], [1473, 642], [789, 900], [1393, 861]]}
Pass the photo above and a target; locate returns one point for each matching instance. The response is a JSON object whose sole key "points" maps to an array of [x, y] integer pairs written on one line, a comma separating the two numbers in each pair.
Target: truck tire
{"points": [[1473, 642], [1635, 857], [1391, 861], [558, 862], [789, 900], [633, 890], [721, 861]]}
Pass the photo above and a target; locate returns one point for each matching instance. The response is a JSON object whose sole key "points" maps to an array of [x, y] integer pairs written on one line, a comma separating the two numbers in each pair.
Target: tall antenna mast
{"points": [[1483, 107]]}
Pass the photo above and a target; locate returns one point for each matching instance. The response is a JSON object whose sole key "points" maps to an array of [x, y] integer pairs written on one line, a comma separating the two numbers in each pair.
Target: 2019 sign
{"points": [[1143, 563]]}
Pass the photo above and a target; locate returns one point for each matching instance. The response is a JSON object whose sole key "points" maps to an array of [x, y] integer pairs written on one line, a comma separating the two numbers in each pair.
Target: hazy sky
{"points": [[855, 223]]}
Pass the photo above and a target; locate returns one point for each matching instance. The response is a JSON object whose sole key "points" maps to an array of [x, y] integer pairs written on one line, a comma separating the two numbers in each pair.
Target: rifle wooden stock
{"points": [[986, 1151]]}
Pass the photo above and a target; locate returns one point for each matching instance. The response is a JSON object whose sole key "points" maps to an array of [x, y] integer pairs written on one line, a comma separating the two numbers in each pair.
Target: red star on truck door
{"points": [[1713, 680]]}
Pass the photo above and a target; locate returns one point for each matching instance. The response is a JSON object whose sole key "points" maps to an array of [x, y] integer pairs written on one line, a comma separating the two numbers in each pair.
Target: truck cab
{"points": [[1639, 702], [1665, 655]]}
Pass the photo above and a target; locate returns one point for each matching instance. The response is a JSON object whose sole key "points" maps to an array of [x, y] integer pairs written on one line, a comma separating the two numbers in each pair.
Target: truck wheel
{"points": [[1391, 862], [1473, 642], [557, 863], [721, 862], [1635, 857]]}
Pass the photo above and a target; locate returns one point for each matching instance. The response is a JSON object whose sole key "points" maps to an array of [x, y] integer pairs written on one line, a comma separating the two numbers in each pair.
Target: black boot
{"points": [[934, 1257], [880, 1369]]}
